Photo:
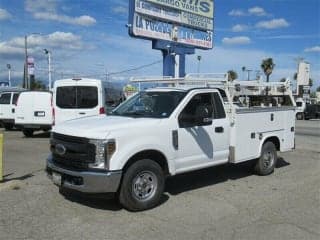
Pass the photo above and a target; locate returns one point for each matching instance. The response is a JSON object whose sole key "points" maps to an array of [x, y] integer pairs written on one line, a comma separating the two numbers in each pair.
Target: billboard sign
{"points": [[184, 22], [156, 29], [199, 7], [174, 15]]}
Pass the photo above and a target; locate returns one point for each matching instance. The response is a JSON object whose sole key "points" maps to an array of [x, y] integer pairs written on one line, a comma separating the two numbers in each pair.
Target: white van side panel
{"points": [[34, 108]]}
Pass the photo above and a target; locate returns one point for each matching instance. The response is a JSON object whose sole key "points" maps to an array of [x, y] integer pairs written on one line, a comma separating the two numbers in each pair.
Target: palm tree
{"points": [[267, 66], [232, 75]]}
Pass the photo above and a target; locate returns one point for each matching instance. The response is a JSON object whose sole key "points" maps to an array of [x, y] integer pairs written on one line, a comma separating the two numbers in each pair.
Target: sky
{"points": [[90, 38]]}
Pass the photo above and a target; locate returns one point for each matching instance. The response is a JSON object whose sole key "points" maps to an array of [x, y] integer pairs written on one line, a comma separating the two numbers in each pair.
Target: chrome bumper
{"points": [[87, 182]]}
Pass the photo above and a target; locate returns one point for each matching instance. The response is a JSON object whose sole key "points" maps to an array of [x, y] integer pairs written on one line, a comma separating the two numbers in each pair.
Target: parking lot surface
{"points": [[225, 202]]}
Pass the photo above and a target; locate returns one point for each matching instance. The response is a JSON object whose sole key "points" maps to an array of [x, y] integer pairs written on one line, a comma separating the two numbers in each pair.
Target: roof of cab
{"points": [[69, 81]]}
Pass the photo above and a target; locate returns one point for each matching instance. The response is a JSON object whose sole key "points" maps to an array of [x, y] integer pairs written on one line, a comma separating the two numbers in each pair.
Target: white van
{"points": [[34, 111], [8, 100], [82, 97]]}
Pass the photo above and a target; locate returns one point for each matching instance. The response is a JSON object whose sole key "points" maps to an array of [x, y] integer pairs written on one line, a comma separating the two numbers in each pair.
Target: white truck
{"points": [[196, 122]]}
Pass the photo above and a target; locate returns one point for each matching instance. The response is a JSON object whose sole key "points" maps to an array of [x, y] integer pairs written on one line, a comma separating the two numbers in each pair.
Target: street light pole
{"points": [[9, 74], [46, 51]]}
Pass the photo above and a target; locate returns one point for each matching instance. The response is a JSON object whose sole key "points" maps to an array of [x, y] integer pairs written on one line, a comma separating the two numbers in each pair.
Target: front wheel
{"points": [[267, 161], [142, 186]]}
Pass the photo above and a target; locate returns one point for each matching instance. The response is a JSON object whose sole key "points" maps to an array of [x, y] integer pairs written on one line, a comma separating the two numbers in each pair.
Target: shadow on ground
{"points": [[174, 185]]}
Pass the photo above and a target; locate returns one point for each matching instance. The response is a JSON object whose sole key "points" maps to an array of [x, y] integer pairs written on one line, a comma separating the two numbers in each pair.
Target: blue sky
{"points": [[89, 38]]}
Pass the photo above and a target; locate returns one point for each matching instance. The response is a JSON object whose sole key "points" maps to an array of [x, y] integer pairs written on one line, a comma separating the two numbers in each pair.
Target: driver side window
{"points": [[200, 104]]}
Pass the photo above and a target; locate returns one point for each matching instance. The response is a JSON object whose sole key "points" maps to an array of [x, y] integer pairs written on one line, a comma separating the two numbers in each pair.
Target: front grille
{"points": [[78, 154]]}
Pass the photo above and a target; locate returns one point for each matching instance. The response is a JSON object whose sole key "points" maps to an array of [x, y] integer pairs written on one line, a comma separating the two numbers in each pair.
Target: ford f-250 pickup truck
{"points": [[164, 131]]}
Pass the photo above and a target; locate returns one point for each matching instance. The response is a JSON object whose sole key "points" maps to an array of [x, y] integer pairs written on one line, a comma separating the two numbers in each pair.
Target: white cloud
{"points": [[34, 6], [237, 13], [273, 24], [257, 11], [241, 40], [4, 14], [240, 28], [47, 10], [82, 20], [313, 49], [120, 10], [56, 41], [254, 11]]}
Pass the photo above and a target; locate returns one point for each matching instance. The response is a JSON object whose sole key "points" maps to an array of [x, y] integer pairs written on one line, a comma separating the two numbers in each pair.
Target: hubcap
{"points": [[268, 160], [144, 185]]}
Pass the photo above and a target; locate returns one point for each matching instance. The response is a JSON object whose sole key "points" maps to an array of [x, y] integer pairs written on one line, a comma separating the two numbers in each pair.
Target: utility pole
{"points": [[47, 52], [9, 74], [26, 74]]}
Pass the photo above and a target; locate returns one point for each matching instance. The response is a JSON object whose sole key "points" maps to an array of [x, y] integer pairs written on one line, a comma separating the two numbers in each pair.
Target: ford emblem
{"points": [[60, 149]]}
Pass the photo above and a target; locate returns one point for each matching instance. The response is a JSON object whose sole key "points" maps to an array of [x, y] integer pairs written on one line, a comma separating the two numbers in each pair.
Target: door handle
{"points": [[219, 129], [82, 113]]}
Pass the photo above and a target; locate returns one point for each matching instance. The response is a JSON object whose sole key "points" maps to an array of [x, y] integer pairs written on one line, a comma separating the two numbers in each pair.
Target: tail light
{"points": [[101, 110]]}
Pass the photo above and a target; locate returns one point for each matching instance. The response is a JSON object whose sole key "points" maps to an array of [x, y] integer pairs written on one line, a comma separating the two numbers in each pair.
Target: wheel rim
{"points": [[268, 159], [144, 186]]}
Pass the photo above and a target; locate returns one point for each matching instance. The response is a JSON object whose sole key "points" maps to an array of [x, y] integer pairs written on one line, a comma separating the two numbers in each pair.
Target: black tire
{"points": [[267, 161], [8, 126], [142, 186], [27, 132], [300, 116]]}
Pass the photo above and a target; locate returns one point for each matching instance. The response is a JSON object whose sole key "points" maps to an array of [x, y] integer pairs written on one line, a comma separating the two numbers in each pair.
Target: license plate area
{"points": [[56, 178]]}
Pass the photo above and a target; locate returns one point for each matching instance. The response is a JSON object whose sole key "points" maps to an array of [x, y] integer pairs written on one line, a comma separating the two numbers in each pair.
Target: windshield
{"points": [[150, 104]]}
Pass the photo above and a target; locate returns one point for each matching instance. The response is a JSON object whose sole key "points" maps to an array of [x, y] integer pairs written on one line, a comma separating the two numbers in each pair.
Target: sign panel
{"points": [[174, 15], [157, 29], [303, 73], [30, 61], [199, 7]]}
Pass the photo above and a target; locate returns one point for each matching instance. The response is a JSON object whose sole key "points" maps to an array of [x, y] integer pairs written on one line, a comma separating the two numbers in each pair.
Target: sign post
{"points": [[176, 28]]}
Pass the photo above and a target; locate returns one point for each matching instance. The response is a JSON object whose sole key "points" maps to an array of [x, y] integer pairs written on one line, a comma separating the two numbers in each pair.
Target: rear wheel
{"points": [[142, 186], [266, 163], [27, 132]]}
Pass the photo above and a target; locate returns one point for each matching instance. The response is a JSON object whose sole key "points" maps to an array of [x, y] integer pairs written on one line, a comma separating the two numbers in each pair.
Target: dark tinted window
{"points": [[218, 109], [77, 97], [15, 98], [5, 98]]}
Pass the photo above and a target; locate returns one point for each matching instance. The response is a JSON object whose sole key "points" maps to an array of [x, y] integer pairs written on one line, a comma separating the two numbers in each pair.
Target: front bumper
{"points": [[85, 181]]}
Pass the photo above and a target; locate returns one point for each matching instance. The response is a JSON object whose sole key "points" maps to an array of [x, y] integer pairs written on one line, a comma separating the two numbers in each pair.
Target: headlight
{"points": [[104, 151]]}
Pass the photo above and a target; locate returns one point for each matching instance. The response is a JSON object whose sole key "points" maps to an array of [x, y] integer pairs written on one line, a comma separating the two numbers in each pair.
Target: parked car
{"points": [[312, 111], [34, 112], [8, 101]]}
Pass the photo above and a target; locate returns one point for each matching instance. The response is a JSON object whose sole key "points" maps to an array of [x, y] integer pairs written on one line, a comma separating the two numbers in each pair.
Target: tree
{"points": [[37, 85], [232, 75], [283, 80], [310, 82], [267, 66]]}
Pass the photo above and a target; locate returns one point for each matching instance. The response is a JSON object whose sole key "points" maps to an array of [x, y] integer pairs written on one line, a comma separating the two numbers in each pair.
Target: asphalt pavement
{"points": [[225, 202]]}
